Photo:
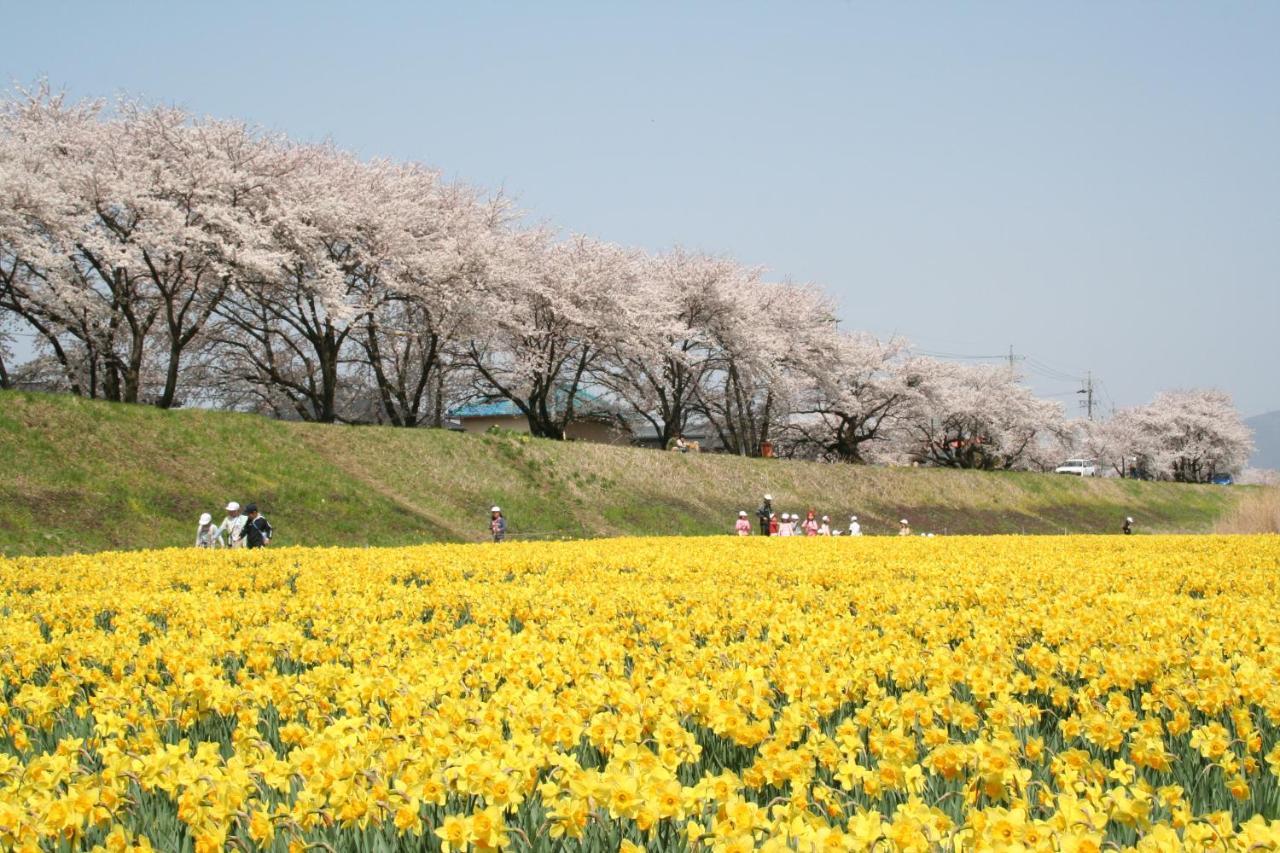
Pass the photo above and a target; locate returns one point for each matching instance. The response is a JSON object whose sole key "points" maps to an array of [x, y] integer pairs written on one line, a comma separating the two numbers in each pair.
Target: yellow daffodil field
{"points": [[1006, 693]]}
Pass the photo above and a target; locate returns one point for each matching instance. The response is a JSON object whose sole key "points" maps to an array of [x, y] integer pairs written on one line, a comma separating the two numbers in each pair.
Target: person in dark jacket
{"points": [[1128, 526], [764, 513], [257, 530]]}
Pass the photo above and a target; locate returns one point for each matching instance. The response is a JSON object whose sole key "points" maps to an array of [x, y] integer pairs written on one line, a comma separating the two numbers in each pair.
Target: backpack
{"points": [[262, 528]]}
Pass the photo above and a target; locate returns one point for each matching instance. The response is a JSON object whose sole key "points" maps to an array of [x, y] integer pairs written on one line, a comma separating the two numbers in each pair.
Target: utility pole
{"points": [[1012, 359], [1087, 391]]}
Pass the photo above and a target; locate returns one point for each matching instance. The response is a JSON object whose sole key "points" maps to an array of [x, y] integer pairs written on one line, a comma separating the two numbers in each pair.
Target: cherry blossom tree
{"points": [[286, 329], [1187, 436], [210, 183], [546, 315], [763, 341], [974, 416], [852, 395], [120, 228], [660, 370], [45, 143], [436, 252]]}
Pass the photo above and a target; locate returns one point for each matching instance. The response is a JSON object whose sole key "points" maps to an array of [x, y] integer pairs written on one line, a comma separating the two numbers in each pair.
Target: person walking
{"points": [[904, 528], [855, 529], [765, 514], [232, 527], [208, 535], [1128, 526], [743, 525], [257, 530], [497, 524]]}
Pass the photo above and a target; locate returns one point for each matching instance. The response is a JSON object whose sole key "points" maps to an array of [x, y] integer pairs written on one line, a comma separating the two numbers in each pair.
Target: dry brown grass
{"points": [[1257, 512]]}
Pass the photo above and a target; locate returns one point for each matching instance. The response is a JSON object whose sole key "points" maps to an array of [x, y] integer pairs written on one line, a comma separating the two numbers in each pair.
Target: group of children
{"points": [[771, 524], [794, 525], [237, 530]]}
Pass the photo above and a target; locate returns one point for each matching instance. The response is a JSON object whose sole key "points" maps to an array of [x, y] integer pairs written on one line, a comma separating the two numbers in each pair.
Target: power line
{"points": [[962, 356], [1054, 372]]}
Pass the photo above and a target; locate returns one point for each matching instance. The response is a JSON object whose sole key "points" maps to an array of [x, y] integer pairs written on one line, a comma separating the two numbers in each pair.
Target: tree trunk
{"points": [[437, 419], [170, 377], [328, 411], [133, 371]]}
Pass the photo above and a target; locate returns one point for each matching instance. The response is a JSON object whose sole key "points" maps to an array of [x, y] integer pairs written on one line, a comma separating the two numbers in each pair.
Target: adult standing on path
{"points": [[497, 524], [1128, 526], [765, 513], [257, 530]]}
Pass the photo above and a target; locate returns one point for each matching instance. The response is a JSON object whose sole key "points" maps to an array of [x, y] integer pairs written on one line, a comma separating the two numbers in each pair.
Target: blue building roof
{"points": [[586, 401], [497, 409]]}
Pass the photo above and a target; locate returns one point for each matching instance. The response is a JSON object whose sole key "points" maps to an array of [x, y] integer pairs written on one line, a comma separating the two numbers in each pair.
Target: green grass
{"points": [[77, 475]]}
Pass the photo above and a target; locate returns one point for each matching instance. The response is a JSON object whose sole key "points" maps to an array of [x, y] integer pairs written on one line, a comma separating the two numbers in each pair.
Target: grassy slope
{"points": [[79, 475]]}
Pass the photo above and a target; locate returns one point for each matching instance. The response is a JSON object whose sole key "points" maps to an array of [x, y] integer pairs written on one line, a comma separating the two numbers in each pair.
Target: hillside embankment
{"points": [[77, 475]]}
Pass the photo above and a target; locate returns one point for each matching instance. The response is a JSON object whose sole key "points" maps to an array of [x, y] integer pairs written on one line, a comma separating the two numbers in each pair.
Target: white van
{"points": [[1078, 467]]}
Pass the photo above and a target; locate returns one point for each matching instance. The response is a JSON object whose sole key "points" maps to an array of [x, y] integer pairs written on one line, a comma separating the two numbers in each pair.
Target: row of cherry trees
{"points": [[156, 257]]}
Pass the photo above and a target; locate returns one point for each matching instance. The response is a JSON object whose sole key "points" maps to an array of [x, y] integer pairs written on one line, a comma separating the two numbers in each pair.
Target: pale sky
{"points": [[1095, 184]]}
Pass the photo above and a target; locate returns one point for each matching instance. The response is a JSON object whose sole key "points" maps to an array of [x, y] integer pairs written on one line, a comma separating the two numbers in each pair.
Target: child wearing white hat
{"points": [[208, 535], [855, 529], [743, 525], [497, 523]]}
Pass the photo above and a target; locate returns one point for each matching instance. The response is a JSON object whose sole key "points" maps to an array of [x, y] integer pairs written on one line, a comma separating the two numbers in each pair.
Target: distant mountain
{"points": [[1266, 438]]}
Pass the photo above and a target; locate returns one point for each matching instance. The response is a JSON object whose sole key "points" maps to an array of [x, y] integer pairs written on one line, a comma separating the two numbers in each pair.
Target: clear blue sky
{"points": [[1097, 184]]}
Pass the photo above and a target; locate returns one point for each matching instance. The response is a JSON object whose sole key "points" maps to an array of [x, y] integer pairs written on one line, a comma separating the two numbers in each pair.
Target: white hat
{"points": [[1129, 519], [904, 521], [785, 516], [826, 518], [768, 497], [205, 518], [742, 513], [233, 507], [495, 509], [853, 518]]}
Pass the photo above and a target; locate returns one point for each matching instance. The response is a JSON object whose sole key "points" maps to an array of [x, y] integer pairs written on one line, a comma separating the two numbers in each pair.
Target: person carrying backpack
{"points": [[257, 530]]}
